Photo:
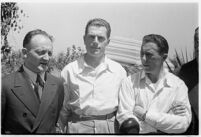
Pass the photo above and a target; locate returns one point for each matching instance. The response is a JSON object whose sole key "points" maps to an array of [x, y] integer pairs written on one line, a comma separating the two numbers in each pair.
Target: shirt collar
{"points": [[162, 76], [82, 64], [33, 75]]}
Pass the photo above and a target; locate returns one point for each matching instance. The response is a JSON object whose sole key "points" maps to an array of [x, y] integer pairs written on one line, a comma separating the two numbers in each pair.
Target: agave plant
{"points": [[178, 61]]}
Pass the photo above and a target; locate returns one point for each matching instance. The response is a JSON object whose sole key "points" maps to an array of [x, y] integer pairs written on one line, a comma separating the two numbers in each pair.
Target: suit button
{"points": [[24, 115]]}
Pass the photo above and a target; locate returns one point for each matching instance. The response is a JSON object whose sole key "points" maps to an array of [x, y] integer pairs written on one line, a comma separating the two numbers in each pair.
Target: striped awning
{"points": [[124, 50]]}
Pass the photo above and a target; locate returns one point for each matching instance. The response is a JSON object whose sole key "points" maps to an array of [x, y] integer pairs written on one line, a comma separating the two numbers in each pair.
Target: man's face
{"points": [[38, 53], [96, 40], [152, 61]]}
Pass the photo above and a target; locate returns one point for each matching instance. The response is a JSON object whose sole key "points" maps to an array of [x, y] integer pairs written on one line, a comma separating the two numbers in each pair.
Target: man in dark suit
{"points": [[31, 98], [189, 73]]}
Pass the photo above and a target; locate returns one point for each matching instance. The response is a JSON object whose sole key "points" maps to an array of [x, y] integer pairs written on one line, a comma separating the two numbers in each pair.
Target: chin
{"points": [[42, 69]]}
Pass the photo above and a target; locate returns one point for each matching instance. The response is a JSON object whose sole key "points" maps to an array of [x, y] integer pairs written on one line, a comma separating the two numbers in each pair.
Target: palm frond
{"points": [[183, 59], [169, 67], [186, 56], [178, 59]]}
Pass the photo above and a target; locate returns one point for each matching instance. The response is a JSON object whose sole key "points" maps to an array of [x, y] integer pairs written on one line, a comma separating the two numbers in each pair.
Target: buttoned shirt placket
{"points": [[95, 73]]}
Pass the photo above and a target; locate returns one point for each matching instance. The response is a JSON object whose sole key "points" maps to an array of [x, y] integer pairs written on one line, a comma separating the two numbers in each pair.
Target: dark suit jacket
{"points": [[21, 111], [189, 74]]}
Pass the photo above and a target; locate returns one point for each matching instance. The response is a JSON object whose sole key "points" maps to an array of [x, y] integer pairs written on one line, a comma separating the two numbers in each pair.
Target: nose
{"points": [[143, 58], [46, 57], [95, 41]]}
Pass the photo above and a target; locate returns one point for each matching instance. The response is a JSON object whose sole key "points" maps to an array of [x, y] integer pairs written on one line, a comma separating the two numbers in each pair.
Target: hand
{"points": [[179, 109], [139, 112], [129, 126], [59, 129]]}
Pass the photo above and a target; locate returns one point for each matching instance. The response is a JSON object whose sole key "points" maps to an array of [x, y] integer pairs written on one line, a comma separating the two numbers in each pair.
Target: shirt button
{"points": [[24, 115]]}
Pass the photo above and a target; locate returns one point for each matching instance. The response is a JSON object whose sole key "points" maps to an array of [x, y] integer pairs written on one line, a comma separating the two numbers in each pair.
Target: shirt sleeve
{"points": [[126, 101], [170, 123], [64, 113]]}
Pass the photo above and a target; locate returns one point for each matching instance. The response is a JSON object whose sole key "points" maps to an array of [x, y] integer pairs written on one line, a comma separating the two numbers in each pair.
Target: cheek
{"points": [[34, 59], [103, 45]]}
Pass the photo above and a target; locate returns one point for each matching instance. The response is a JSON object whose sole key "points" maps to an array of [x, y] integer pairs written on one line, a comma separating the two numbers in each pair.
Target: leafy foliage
{"points": [[9, 17], [72, 53], [11, 62], [178, 61], [14, 60], [10, 20]]}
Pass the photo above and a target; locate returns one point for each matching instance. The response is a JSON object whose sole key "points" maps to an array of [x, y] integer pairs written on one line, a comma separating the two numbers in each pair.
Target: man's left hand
{"points": [[139, 112]]}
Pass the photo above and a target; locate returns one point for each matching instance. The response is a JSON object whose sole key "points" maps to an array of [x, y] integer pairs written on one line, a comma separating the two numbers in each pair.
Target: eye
{"points": [[91, 37], [101, 39], [148, 55], [50, 53], [40, 52]]}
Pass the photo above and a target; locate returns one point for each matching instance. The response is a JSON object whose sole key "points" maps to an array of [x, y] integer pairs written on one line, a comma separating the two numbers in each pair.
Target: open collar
{"points": [[82, 65], [163, 78]]}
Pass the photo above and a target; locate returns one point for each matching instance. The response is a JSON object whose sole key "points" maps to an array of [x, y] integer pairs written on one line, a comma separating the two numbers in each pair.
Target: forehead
{"points": [[40, 41], [150, 47], [97, 30]]}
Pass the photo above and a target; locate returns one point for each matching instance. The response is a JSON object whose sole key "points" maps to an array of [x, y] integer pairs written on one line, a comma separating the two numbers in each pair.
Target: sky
{"points": [[131, 20]]}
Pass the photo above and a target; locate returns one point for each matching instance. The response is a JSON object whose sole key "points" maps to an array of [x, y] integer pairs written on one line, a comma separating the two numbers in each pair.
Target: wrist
{"points": [[144, 116]]}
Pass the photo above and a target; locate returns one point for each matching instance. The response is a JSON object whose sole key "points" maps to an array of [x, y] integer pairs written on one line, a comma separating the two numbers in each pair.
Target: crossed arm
{"points": [[176, 120]]}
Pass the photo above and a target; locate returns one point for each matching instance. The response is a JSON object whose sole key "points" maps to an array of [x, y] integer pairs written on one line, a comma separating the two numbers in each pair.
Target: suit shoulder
{"points": [[189, 65], [8, 80], [10, 77], [56, 79]]}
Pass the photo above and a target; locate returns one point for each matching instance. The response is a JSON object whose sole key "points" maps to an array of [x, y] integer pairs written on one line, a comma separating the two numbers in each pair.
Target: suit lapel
{"points": [[25, 93], [48, 96]]}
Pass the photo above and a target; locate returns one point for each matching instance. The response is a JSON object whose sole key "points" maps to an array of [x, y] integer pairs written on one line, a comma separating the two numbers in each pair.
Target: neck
{"points": [[154, 77], [93, 61]]}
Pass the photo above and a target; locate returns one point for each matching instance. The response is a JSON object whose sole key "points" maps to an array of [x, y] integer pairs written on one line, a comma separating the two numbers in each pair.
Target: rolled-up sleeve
{"points": [[171, 123], [126, 101]]}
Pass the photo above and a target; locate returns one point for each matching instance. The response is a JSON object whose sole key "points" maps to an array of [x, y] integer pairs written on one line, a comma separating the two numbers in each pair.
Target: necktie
{"points": [[39, 81], [39, 86]]}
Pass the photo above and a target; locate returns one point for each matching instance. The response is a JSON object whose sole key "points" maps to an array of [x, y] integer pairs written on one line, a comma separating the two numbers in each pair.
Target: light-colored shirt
{"points": [[158, 99], [91, 91]]}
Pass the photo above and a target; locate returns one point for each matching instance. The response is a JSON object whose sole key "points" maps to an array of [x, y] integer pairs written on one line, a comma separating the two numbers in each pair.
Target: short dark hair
{"points": [[196, 35], [159, 40], [32, 33], [98, 22]]}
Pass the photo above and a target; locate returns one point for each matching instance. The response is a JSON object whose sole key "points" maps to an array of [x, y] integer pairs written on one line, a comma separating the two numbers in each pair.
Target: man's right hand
{"points": [[179, 108]]}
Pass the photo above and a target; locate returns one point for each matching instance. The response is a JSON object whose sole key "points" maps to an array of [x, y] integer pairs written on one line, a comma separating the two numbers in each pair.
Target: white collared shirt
{"points": [[157, 98], [92, 91]]}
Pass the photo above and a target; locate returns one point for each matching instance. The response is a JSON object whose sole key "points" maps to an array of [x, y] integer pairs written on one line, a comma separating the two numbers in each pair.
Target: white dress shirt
{"points": [[158, 99], [91, 91]]}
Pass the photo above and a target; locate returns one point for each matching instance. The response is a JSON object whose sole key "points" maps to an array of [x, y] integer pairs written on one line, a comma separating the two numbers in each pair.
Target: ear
{"points": [[108, 41], [165, 55], [24, 52], [84, 38]]}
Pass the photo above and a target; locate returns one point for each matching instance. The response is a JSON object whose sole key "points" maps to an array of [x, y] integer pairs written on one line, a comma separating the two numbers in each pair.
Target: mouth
{"points": [[95, 48], [145, 66], [44, 63]]}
